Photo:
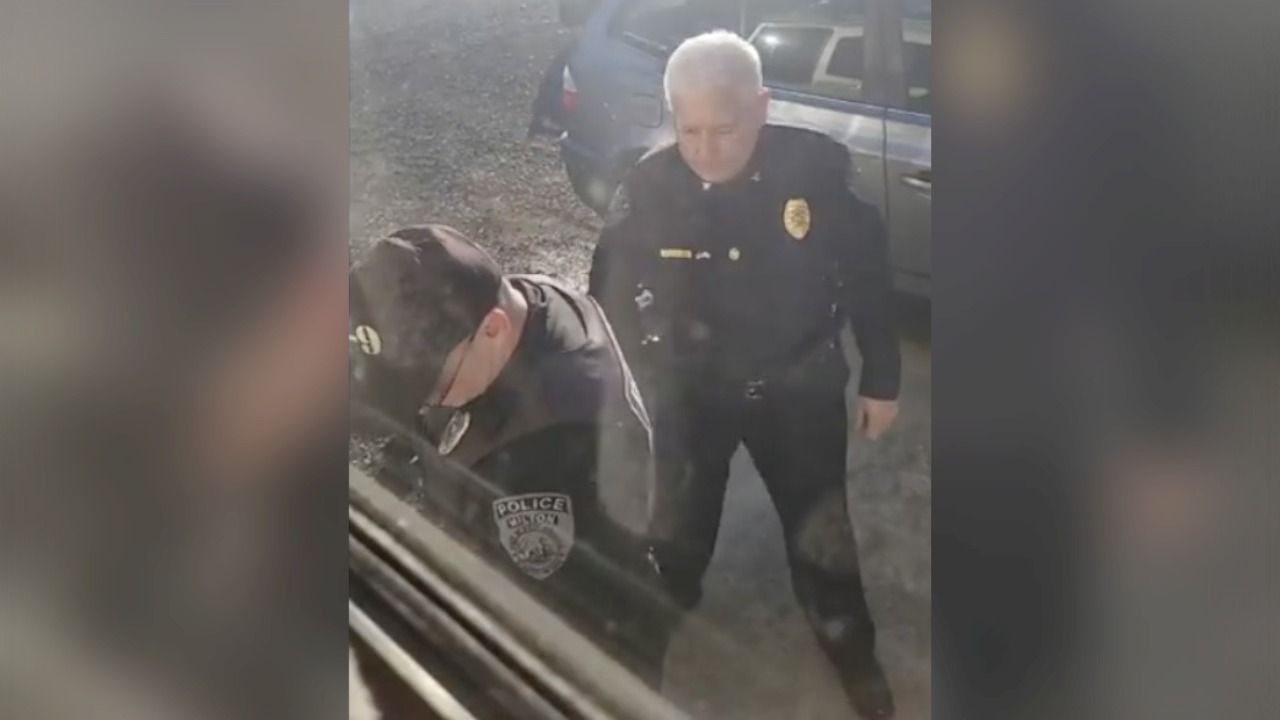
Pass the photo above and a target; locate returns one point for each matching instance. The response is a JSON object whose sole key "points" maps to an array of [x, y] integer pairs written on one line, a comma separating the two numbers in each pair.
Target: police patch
{"points": [[454, 431], [536, 530], [796, 218]]}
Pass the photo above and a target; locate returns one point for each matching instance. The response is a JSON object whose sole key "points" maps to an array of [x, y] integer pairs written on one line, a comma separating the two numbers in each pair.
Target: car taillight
{"points": [[569, 92]]}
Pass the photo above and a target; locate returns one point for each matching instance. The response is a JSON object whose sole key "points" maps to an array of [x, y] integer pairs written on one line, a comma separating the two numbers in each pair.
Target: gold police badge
{"points": [[796, 218], [454, 431]]}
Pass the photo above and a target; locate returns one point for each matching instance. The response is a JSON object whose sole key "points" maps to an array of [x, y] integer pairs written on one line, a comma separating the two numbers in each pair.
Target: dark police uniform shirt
{"points": [[561, 424], [751, 279]]}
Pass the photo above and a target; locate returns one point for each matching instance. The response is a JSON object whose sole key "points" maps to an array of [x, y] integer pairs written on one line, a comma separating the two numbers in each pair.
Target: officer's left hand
{"points": [[875, 416]]}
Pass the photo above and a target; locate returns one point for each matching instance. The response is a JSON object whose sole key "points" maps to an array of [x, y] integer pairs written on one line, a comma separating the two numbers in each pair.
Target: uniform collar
{"points": [[753, 173]]}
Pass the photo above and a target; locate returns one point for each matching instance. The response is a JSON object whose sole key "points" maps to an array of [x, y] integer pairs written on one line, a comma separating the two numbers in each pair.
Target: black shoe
{"points": [[868, 691]]}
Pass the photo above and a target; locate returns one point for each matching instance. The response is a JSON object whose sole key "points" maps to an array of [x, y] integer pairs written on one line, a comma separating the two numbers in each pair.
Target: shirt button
{"points": [[734, 254]]}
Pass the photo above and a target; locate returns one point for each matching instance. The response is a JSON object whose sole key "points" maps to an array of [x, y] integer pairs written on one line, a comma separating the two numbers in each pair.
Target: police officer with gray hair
{"points": [[730, 263], [539, 449]]}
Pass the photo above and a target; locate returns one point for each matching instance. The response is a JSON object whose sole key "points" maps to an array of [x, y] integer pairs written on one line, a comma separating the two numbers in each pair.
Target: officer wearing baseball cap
{"points": [[540, 408], [418, 303]]}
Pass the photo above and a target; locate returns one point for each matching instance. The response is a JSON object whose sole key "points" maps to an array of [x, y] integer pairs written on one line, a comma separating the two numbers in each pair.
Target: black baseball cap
{"points": [[416, 296]]}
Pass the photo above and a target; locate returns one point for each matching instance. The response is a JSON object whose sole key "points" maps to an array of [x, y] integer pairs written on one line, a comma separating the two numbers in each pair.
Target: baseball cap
{"points": [[416, 296]]}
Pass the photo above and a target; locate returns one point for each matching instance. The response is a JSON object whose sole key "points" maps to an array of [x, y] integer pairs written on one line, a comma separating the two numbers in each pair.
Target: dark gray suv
{"points": [[857, 70]]}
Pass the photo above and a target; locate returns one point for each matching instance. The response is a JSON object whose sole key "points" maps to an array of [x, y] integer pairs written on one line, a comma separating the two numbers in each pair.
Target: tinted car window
{"points": [[790, 55], [814, 47], [847, 59]]}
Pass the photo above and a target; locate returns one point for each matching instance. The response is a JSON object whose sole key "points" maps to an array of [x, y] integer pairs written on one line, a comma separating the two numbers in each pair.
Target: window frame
{"points": [[901, 104], [413, 575]]}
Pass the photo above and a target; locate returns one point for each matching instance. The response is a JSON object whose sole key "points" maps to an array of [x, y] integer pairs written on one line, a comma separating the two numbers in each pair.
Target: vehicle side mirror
{"points": [[576, 13]]}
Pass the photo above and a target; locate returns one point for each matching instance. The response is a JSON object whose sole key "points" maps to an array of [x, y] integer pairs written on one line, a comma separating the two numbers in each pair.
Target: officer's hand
{"points": [[875, 416]]}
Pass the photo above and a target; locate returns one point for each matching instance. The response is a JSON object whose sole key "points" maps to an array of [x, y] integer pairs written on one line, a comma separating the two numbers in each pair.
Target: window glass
{"points": [[847, 59], [789, 55], [813, 47]]}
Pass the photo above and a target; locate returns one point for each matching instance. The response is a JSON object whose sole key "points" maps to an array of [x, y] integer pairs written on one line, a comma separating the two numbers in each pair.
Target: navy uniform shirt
{"points": [[559, 457], [750, 279]]}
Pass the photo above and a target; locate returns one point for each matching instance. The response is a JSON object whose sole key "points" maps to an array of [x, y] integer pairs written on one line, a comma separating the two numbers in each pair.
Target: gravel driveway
{"points": [[440, 99]]}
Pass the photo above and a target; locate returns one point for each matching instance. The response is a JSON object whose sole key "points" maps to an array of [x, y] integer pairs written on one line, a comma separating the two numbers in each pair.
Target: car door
{"points": [[909, 141], [822, 76]]}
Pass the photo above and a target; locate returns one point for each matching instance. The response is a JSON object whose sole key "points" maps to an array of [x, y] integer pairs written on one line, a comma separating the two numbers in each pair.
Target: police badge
{"points": [[796, 218], [453, 431], [536, 530]]}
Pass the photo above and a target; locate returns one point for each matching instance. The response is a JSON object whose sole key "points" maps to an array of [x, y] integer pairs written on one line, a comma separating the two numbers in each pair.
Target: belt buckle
{"points": [[754, 390]]}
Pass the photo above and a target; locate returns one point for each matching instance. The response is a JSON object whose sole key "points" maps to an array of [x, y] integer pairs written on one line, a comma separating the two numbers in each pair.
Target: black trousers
{"points": [[798, 440]]}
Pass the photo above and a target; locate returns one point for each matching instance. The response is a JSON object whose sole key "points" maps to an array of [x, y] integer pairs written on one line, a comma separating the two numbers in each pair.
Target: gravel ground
{"points": [[440, 98], [441, 92]]}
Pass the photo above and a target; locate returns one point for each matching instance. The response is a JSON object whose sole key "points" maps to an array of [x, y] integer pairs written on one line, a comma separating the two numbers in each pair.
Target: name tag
{"points": [[676, 254]]}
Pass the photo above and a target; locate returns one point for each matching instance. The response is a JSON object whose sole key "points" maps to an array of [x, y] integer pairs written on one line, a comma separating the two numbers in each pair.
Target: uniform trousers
{"points": [[798, 439]]}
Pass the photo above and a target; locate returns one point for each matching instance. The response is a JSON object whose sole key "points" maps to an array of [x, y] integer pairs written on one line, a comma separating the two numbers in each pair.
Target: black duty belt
{"points": [[754, 386]]}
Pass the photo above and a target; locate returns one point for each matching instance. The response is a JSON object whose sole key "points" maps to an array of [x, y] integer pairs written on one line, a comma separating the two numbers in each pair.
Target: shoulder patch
{"points": [[537, 531]]}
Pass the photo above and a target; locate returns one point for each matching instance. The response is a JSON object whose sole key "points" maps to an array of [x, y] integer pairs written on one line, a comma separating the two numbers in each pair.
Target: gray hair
{"points": [[718, 61]]}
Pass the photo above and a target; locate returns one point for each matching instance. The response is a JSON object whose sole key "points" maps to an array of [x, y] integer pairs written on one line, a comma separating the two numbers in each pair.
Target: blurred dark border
{"points": [[1101, 233], [167, 167]]}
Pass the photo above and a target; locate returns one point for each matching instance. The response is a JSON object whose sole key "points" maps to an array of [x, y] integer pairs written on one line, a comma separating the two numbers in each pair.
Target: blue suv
{"points": [[857, 70]]}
